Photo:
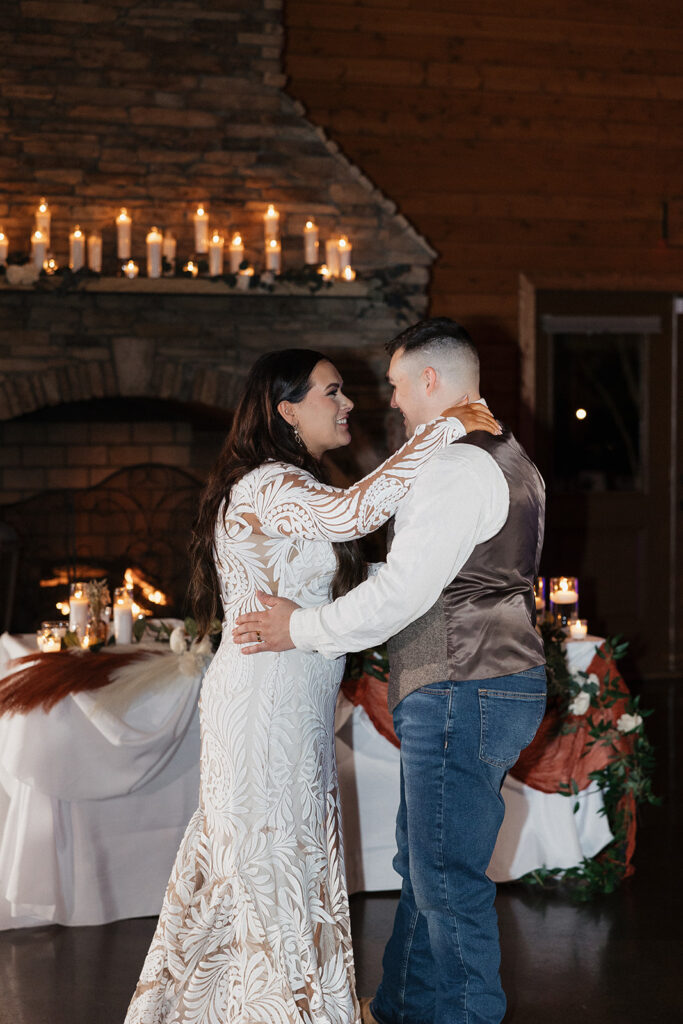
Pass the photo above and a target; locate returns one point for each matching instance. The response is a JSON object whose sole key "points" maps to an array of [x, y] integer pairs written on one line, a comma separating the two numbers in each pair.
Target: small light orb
{"points": [[580, 414]]}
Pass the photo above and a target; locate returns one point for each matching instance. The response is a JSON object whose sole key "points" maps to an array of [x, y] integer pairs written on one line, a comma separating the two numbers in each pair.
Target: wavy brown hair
{"points": [[259, 433]]}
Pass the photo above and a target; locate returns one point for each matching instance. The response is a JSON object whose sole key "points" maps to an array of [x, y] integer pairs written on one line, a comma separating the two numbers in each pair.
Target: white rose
{"points": [[627, 723], [177, 640], [580, 704]]}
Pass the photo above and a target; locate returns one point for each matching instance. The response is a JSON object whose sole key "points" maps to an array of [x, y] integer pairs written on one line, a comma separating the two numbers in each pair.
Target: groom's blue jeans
{"points": [[458, 740]]}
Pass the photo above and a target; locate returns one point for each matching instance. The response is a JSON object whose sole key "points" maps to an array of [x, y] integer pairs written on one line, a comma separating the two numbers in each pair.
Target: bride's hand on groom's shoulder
{"points": [[474, 416]]}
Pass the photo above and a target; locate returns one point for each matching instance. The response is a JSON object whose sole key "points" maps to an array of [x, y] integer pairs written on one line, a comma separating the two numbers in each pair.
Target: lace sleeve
{"points": [[290, 502]]}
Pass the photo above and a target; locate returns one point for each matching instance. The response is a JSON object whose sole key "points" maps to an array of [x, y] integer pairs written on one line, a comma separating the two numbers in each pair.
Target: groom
{"points": [[467, 680]]}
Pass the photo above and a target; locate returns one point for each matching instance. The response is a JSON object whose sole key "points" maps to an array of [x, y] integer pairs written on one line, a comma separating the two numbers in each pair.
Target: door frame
{"points": [[668, 283]]}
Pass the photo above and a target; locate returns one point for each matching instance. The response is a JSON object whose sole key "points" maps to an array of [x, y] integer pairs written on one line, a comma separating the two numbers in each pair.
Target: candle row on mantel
{"points": [[162, 248]]}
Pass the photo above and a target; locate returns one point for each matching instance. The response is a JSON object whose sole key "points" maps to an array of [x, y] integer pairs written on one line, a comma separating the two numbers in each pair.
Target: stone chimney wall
{"points": [[161, 106]]}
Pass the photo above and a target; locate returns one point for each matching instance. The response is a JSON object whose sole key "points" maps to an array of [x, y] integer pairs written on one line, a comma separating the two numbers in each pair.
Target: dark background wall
{"points": [[540, 137]]}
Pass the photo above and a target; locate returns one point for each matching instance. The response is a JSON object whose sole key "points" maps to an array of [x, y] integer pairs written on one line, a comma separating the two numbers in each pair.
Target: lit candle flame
{"points": [[236, 240]]}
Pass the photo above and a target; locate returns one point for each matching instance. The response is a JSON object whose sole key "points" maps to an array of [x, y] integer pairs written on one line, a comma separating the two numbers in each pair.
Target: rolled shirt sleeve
{"points": [[460, 499]]}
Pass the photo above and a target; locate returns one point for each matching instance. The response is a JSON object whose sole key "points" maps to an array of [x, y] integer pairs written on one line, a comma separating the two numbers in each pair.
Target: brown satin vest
{"points": [[483, 625]]}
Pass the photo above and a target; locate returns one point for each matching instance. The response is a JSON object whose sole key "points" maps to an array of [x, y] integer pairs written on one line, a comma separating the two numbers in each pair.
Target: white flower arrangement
{"points": [[589, 686]]}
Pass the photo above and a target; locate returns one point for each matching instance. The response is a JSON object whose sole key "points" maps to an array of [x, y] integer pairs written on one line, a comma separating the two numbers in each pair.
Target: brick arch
{"points": [[89, 379]]}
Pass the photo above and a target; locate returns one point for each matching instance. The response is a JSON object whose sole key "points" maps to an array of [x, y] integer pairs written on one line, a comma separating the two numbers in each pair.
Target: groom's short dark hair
{"points": [[437, 330]]}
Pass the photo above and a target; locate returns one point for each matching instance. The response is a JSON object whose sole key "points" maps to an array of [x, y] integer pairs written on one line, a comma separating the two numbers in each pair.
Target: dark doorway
{"points": [[608, 394]]}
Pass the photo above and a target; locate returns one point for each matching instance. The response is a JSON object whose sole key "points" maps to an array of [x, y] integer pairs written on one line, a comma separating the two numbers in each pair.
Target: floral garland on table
{"points": [[608, 729], [586, 704]]}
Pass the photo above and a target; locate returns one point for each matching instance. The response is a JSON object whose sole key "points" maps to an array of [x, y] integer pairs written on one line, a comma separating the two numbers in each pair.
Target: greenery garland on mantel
{"points": [[382, 285], [579, 697]]}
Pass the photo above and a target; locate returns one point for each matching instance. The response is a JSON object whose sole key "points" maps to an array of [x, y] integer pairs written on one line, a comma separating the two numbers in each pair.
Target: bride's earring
{"points": [[297, 436]]}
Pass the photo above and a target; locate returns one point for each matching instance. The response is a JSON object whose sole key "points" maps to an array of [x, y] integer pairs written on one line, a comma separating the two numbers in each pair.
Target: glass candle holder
{"points": [[578, 629], [539, 597], [49, 636], [563, 593], [79, 609]]}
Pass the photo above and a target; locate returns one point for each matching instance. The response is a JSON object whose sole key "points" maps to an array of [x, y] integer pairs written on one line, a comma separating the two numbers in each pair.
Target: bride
{"points": [[255, 922]]}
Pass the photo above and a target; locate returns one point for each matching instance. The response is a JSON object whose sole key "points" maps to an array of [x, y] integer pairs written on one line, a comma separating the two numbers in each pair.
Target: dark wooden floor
{"points": [[616, 961]]}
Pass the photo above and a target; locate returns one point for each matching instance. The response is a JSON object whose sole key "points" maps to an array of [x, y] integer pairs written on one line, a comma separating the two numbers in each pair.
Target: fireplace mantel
{"points": [[335, 289]]}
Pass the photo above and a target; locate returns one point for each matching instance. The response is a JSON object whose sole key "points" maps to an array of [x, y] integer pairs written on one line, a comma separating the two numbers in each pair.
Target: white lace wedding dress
{"points": [[255, 923]]}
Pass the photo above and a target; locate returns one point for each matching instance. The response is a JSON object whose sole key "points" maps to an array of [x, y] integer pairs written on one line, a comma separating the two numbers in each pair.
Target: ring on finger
{"points": [[258, 636]]}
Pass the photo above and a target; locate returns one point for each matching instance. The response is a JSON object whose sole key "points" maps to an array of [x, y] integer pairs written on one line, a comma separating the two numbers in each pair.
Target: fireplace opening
{"points": [[102, 487]]}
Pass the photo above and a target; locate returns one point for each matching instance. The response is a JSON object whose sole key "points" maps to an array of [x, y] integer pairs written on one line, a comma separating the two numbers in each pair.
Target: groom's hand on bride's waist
{"points": [[267, 630]]}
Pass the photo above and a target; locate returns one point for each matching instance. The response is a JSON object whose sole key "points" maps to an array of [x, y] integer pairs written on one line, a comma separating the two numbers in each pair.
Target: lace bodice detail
{"points": [[277, 532]]}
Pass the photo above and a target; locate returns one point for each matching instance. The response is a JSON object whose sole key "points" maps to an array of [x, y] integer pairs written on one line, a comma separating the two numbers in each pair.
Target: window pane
{"points": [[597, 411]]}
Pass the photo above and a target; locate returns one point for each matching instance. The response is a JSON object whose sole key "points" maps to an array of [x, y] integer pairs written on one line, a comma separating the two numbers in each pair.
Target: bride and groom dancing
{"points": [[255, 923]]}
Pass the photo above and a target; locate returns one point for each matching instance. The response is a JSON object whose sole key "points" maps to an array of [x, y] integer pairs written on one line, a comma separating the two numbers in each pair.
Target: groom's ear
{"points": [[286, 410], [429, 379]]}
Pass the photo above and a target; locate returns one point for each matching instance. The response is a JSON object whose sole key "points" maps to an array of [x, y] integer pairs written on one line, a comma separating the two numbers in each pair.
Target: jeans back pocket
{"points": [[509, 722]]}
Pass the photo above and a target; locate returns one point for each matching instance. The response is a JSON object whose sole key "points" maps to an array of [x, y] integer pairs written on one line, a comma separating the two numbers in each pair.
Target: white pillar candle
{"points": [[273, 256], [95, 252], [123, 616], [578, 629], [271, 224], [130, 269], [79, 609], [201, 230], [76, 249], [216, 246], [236, 252], [244, 278], [124, 225], [310, 242], [345, 248], [154, 239], [4, 247], [168, 250], [332, 256], [43, 218], [38, 248]]}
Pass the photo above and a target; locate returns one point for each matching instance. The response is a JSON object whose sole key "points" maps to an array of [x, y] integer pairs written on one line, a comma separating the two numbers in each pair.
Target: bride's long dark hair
{"points": [[259, 433]]}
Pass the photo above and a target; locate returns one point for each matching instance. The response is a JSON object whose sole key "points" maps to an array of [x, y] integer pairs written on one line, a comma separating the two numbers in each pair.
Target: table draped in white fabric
{"points": [[95, 795]]}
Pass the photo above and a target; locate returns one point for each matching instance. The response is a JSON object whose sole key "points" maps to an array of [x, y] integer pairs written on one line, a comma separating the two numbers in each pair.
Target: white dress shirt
{"points": [[459, 500]]}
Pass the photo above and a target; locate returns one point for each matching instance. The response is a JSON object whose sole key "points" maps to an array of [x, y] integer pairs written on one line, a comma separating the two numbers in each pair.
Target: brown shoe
{"points": [[365, 1012]]}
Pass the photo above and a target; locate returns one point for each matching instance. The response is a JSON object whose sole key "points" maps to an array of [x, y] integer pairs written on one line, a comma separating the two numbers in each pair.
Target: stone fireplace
{"points": [[113, 387]]}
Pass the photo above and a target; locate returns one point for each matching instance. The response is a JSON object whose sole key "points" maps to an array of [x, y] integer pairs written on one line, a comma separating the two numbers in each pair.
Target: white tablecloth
{"points": [[95, 796]]}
